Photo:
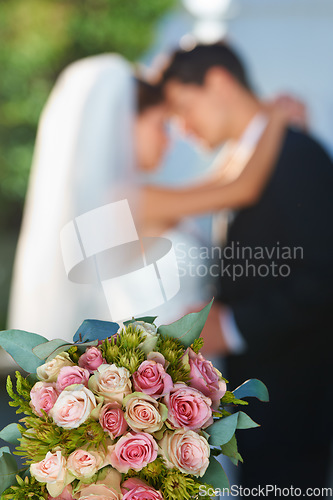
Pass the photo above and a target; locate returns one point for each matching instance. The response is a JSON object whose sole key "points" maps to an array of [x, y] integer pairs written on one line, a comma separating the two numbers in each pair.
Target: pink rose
{"points": [[65, 495], [112, 419], [188, 408], [136, 489], [186, 450], [73, 407], [206, 378], [133, 451], [43, 396], [70, 375], [51, 471], [152, 379], [91, 359]]}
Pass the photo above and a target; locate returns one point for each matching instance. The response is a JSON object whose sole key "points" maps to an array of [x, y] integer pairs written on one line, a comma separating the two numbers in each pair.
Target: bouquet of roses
{"points": [[122, 413]]}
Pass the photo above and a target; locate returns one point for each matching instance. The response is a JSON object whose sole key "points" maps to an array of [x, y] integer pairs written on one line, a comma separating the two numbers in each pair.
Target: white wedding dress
{"points": [[84, 158]]}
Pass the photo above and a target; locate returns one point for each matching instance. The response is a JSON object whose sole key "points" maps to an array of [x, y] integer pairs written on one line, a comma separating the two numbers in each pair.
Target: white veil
{"points": [[83, 158]]}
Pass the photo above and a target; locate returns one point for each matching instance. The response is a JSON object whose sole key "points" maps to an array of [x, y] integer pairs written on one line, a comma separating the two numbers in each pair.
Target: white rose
{"points": [[50, 370], [151, 335], [144, 413], [84, 464], [52, 471], [111, 382], [73, 407], [186, 450]]}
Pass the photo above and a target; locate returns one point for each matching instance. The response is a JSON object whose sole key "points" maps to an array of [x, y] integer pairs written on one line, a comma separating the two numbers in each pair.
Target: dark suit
{"points": [[287, 321]]}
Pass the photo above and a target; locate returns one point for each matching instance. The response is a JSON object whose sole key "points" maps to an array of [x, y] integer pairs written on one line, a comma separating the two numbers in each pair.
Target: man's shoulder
{"points": [[302, 145]]}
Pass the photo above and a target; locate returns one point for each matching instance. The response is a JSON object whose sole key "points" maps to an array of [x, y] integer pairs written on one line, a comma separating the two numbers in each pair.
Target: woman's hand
{"points": [[290, 109]]}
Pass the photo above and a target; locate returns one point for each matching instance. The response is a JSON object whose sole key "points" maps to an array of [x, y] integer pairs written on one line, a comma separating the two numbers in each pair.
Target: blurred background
{"points": [[287, 45]]}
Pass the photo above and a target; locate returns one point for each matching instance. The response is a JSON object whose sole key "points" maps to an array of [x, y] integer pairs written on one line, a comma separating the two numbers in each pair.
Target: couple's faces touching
{"points": [[202, 111]]}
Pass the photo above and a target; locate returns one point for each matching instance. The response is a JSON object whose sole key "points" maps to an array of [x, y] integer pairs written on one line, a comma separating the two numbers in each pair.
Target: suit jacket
{"points": [[286, 319]]}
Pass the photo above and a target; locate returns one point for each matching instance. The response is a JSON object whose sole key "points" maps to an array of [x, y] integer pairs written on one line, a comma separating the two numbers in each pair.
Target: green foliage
{"points": [[22, 398], [8, 468], [173, 484], [11, 434], [230, 449], [216, 476], [74, 354], [38, 39], [40, 437], [229, 398], [179, 486], [19, 345], [26, 488], [188, 328], [252, 388], [154, 473], [124, 350], [221, 431], [197, 345], [173, 351]]}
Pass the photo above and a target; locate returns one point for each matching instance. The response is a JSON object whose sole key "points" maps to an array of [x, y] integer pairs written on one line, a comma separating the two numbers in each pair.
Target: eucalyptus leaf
{"points": [[252, 388], [81, 348], [146, 319], [222, 431], [11, 434], [245, 422], [8, 469], [19, 345], [188, 328], [32, 378], [62, 348], [216, 476], [43, 351], [93, 329], [230, 449]]}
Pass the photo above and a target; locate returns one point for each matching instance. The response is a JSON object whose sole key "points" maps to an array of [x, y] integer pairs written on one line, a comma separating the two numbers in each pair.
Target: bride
{"points": [[100, 132]]}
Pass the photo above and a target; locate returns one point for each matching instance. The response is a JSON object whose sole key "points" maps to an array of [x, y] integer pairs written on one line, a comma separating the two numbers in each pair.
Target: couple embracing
{"points": [[101, 131]]}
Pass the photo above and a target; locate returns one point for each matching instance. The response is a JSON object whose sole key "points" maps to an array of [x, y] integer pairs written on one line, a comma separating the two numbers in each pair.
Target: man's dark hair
{"points": [[191, 66]]}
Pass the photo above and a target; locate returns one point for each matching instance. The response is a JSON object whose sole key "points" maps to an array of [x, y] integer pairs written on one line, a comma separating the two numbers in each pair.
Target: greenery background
{"points": [[38, 38]]}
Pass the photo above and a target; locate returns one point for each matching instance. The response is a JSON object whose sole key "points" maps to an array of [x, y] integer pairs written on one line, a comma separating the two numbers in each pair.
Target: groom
{"points": [[277, 299]]}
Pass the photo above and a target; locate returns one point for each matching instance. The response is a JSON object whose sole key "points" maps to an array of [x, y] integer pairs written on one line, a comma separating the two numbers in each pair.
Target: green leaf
{"points": [[252, 388], [11, 434], [229, 398], [230, 449], [19, 345], [216, 476], [8, 469], [188, 328], [222, 431], [146, 319], [43, 351], [94, 329]]}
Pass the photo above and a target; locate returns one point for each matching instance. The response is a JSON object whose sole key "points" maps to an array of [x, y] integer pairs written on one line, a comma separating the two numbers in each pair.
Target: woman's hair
{"points": [[148, 95]]}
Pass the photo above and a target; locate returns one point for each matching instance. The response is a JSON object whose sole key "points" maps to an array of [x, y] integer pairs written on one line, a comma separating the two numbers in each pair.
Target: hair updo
{"points": [[148, 95]]}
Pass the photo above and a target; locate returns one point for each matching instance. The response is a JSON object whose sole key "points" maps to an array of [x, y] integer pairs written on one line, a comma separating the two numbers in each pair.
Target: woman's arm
{"points": [[168, 206]]}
